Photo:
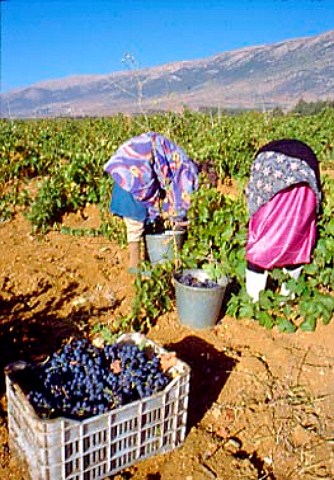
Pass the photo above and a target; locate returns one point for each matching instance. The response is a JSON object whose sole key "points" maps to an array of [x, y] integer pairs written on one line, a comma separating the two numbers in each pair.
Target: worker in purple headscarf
{"points": [[283, 197], [153, 178]]}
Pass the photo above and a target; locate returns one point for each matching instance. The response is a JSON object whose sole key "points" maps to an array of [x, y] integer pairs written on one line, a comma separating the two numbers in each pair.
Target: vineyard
{"points": [[63, 275]]}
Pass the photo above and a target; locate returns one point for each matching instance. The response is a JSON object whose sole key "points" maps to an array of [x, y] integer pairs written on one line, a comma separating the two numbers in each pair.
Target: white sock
{"points": [[255, 283]]}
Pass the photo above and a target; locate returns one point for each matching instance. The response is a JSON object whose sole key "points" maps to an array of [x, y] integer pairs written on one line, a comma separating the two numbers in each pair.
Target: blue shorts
{"points": [[124, 204]]}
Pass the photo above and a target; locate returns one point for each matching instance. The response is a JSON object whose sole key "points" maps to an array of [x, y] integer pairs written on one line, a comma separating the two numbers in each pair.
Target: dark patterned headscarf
{"points": [[279, 165]]}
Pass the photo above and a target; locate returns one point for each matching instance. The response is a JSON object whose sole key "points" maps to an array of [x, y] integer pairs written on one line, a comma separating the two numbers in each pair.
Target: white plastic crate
{"points": [[100, 446]]}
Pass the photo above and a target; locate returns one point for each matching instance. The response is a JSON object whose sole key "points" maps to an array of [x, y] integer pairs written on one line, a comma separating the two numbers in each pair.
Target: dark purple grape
{"points": [[191, 281]]}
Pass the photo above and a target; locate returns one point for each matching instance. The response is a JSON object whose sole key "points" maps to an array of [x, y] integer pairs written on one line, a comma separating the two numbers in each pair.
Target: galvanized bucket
{"points": [[162, 247], [199, 307]]}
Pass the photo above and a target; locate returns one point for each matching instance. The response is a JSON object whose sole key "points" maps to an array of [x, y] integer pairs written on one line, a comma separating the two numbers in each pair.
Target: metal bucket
{"points": [[162, 247], [199, 307]]}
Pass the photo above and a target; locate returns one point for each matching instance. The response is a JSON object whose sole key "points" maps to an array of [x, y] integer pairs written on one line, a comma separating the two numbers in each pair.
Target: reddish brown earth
{"points": [[261, 402]]}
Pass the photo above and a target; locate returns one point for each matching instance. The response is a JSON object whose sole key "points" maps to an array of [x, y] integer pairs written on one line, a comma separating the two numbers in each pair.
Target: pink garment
{"points": [[283, 231]]}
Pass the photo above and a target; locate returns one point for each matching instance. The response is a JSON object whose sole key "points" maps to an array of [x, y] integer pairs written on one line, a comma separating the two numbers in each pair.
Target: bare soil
{"points": [[261, 402]]}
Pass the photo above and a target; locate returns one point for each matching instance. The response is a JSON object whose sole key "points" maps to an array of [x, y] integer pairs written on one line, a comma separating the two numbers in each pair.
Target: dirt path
{"points": [[261, 402]]}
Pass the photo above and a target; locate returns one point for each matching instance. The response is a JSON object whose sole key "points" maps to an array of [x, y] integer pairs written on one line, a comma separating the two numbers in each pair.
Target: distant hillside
{"points": [[265, 76]]}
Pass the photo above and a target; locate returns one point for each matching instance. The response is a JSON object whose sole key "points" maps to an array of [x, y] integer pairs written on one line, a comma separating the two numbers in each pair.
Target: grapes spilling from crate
{"points": [[191, 281], [81, 380]]}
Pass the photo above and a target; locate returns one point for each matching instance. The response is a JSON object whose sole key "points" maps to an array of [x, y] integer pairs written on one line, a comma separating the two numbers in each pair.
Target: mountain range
{"points": [[257, 77]]}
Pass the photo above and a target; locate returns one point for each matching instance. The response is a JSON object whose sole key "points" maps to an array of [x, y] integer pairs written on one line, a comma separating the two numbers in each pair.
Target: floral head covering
{"points": [[153, 168]]}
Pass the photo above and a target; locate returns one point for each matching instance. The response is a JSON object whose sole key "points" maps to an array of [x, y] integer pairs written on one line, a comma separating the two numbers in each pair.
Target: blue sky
{"points": [[46, 39]]}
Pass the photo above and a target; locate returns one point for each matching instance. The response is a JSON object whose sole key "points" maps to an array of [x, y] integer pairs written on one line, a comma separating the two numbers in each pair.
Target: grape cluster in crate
{"points": [[81, 380]]}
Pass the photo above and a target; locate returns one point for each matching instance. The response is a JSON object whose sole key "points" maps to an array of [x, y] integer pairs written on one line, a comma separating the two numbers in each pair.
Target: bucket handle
{"points": [[177, 260]]}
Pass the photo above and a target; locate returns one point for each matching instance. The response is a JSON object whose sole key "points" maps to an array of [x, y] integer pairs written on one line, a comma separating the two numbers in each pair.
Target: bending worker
{"points": [[153, 179], [283, 197]]}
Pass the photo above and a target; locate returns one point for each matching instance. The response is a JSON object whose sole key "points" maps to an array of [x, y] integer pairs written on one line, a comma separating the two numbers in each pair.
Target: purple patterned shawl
{"points": [[149, 164]]}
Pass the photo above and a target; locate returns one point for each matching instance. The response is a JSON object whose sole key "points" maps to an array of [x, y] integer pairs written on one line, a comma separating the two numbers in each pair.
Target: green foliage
{"points": [[216, 239], [153, 298], [11, 199], [312, 108]]}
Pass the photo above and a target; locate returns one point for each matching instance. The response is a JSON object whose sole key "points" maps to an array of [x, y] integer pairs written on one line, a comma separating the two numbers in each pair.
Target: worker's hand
{"points": [[180, 223], [155, 226]]}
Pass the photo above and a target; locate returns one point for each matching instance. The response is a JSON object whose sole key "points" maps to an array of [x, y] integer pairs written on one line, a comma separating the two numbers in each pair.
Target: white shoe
{"points": [[255, 283]]}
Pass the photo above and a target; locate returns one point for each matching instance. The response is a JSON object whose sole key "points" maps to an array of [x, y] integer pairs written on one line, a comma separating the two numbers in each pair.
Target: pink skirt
{"points": [[283, 231]]}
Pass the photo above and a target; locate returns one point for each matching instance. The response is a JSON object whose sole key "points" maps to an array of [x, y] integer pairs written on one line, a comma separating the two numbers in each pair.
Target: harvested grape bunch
{"points": [[191, 281], [81, 380]]}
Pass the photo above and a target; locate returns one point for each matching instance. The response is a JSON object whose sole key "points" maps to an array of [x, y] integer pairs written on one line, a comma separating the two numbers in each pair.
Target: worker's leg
{"points": [[256, 281], [294, 272], [135, 231]]}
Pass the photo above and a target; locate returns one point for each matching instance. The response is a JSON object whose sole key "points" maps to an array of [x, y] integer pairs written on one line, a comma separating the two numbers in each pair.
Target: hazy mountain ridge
{"points": [[279, 74]]}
